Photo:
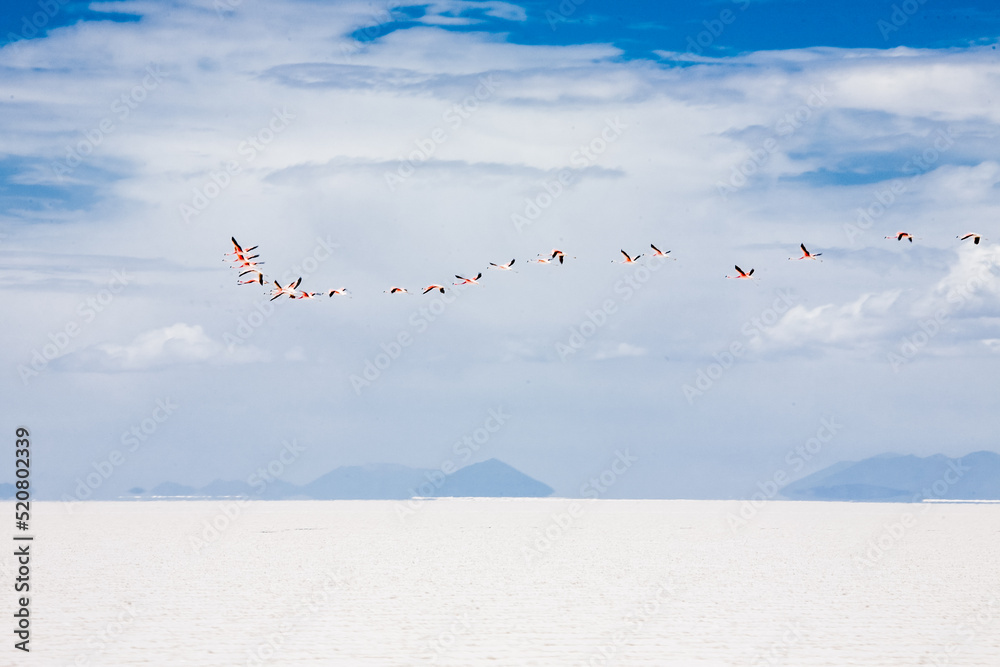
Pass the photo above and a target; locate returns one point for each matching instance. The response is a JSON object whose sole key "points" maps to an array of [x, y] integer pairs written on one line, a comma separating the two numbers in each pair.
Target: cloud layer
{"points": [[406, 156]]}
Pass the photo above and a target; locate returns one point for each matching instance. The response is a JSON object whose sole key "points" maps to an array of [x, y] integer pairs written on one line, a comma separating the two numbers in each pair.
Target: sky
{"points": [[371, 145]]}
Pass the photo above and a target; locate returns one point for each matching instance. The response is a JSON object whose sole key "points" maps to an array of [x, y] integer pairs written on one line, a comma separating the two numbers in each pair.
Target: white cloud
{"points": [[971, 285], [965, 302], [859, 323], [619, 351], [993, 344], [176, 345]]}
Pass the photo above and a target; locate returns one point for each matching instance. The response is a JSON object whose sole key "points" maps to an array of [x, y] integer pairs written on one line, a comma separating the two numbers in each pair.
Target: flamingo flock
{"points": [[250, 272], [247, 265]]}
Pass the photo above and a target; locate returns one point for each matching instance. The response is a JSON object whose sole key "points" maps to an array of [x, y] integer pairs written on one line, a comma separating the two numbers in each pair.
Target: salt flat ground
{"points": [[473, 582]]}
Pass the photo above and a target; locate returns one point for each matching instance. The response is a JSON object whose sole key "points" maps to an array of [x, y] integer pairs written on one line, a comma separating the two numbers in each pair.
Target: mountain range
{"points": [[378, 481], [883, 478], [898, 478]]}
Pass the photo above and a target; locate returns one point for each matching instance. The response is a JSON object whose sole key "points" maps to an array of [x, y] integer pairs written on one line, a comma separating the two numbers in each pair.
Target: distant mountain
{"points": [[384, 481], [172, 489], [896, 478], [379, 481], [492, 479]]}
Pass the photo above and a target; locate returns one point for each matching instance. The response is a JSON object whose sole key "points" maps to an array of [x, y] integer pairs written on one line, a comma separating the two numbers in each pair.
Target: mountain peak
{"points": [[491, 479], [904, 478]]}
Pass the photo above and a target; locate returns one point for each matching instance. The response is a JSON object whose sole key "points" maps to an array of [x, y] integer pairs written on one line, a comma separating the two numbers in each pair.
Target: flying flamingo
{"points": [[629, 260], [241, 255], [558, 254], [431, 288], [975, 238], [657, 252], [902, 235], [245, 265], [259, 279], [238, 247], [469, 281], [742, 274], [243, 259], [542, 260], [342, 290], [306, 295], [505, 267], [396, 290], [239, 251], [806, 254], [288, 289]]}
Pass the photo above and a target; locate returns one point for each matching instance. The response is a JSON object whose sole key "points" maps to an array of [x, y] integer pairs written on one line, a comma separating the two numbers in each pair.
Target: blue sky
{"points": [[638, 28], [641, 28], [139, 136]]}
